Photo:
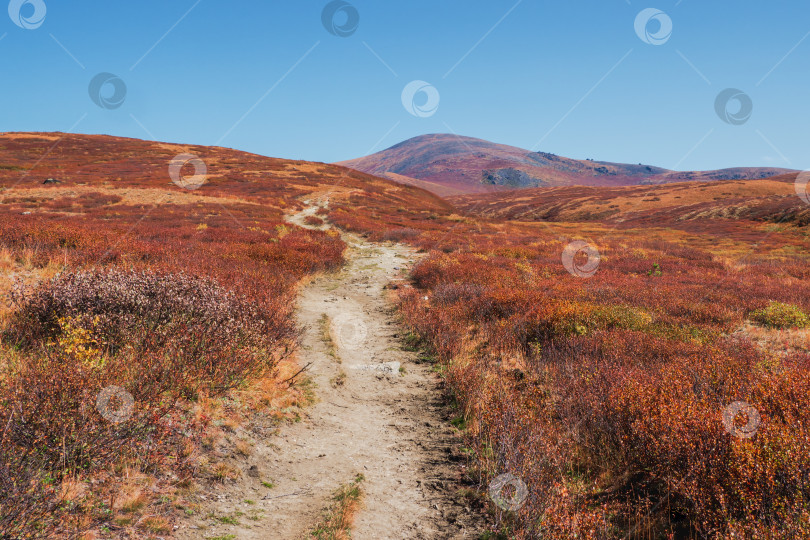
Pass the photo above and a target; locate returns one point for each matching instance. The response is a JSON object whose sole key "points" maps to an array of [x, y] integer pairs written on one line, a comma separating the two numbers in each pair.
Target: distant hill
{"points": [[772, 199], [94, 165], [451, 164]]}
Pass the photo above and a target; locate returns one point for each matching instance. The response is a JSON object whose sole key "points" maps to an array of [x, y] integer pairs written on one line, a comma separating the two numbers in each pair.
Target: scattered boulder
{"points": [[51, 181]]}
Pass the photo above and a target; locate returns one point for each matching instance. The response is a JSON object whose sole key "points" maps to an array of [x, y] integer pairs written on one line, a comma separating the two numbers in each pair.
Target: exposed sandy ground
{"points": [[391, 426], [128, 195]]}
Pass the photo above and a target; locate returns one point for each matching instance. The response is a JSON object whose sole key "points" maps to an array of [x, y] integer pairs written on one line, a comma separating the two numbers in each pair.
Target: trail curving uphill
{"points": [[369, 418]]}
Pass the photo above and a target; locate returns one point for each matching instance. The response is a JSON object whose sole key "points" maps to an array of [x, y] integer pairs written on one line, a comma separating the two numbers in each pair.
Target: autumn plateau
{"points": [[651, 381]]}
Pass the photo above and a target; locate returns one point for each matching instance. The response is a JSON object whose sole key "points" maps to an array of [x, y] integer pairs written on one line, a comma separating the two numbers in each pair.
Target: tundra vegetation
{"points": [[606, 395], [667, 395], [142, 322]]}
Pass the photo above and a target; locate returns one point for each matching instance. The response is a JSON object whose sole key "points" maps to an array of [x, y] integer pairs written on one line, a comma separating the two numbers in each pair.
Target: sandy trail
{"points": [[389, 425]]}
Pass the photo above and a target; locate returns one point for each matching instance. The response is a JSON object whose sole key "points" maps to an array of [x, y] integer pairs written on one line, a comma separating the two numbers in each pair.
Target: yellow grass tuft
{"points": [[339, 518]]}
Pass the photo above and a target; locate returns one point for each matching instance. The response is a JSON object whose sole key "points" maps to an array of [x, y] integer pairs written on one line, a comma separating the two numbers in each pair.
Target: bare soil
{"points": [[391, 425]]}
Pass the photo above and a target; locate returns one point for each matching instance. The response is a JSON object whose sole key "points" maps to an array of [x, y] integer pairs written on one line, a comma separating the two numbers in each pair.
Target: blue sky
{"points": [[568, 77]]}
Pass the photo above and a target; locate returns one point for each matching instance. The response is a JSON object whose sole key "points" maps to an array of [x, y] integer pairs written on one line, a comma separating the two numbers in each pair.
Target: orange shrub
{"points": [[606, 396]]}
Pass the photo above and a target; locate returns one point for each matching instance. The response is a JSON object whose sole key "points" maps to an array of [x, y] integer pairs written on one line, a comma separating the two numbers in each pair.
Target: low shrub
{"points": [[107, 361], [606, 396], [781, 315], [400, 235], [211, 333]]}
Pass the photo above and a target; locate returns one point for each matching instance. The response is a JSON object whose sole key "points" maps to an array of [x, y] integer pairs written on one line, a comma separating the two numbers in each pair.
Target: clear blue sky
{"points": [[572, 78]]}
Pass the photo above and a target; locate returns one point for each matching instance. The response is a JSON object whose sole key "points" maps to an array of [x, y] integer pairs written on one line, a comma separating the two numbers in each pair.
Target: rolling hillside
{"points": [[257, 311], [126, 296], [773, 199], [135, 172], [448, 164]]}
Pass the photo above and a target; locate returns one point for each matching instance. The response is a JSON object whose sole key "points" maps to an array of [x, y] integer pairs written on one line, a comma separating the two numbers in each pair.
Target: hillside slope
{"points": [[455, 163], [80, 164], [611, 331], [143, 323], [773, 199]]}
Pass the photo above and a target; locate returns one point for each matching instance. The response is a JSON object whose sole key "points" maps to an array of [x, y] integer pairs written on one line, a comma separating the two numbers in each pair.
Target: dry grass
{"points": [[339, 518], [19, 267], [243, 448], [222, 472], [327, 337], [129, 196], [778, 341], [339, 379], [73, 490], [35, 136], [155, 524], [274, 396]]}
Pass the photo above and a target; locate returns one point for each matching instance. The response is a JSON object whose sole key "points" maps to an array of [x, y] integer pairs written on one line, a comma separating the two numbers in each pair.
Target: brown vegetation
{"points": [[665, 396], [133, 309], [615, 398]]}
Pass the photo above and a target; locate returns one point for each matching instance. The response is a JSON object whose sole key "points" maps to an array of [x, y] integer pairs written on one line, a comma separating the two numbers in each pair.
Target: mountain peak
{"points": [[450, 164]]}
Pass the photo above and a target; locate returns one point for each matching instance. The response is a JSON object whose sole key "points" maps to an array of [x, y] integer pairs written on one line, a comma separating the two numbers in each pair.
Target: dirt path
{"points": [[385, 423]]}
